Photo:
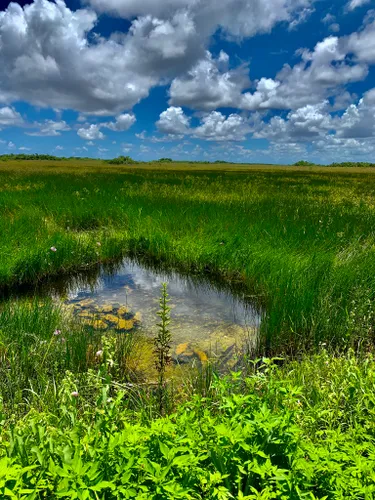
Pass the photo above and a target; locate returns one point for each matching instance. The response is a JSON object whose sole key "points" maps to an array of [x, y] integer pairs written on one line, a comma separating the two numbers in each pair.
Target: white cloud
{"points": [[345, 135], [88, 73], [123, 122], [237, 18], [358, 121], [142, 135], [353, 4], [303, 124], [59, 148], [23, 148], [217, 127], [334, 27], [210, 84], [214, 126], [91, 133], [173, 121], [320, 74], [329, 18], [9, 117], [49, 56], [11, 145], [49, 128], [362, 44]]}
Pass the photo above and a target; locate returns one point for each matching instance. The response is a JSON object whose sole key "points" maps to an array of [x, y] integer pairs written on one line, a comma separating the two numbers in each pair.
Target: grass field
{"points": [[301, 240]]}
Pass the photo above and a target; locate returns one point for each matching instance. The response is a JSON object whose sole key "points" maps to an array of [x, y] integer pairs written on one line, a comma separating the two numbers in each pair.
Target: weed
{"points": [[162, 343]]}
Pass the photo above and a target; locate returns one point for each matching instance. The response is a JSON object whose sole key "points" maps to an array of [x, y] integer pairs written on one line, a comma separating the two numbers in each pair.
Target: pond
{"points": [[208, 319]]}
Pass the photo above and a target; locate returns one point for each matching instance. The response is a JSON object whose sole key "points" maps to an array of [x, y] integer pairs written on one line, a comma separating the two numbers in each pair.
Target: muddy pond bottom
{"points": [[207, 321]]}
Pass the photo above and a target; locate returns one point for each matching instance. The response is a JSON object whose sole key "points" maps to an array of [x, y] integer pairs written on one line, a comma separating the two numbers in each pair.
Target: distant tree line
{"points": [[127, 160], [304, 163], [352, 164], [37, 156]]}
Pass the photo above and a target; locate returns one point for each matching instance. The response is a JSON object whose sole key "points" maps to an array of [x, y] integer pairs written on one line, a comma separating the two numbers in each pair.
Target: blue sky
{"points": [[269, 81]]}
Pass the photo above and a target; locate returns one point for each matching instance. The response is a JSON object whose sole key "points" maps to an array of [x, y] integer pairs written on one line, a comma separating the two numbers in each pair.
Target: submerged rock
{"points": [[185, 353], [103, 317], [107, 308]]}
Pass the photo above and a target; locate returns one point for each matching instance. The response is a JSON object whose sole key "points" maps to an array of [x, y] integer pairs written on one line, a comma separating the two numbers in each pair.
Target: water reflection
{"points": [[207, 319]]}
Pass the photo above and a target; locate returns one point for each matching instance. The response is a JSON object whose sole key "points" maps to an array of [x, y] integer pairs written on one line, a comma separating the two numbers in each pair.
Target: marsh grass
{"points": [[78, 417], [300, 240]]}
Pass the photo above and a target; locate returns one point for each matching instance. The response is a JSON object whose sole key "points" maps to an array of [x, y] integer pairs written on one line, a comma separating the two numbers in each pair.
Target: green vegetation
{"points": [[79, 416], [266, 435], [165, 160], [301, 242], [121, 160], [304, 163], [346, 164], [35, 156], [351, 164]]}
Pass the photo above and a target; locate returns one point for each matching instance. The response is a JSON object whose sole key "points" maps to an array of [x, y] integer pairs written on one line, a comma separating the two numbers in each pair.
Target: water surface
{"points": [[207, 319]]}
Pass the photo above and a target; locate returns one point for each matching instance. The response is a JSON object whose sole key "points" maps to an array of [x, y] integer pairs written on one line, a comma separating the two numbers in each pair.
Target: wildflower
{"points": [[98, 244], [57, 333], [63, 340], [74, 394], [99, 354], [53, 249]]}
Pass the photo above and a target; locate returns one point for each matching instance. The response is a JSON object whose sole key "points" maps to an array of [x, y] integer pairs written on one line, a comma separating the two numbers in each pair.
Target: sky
{"points": [[270, 81]]}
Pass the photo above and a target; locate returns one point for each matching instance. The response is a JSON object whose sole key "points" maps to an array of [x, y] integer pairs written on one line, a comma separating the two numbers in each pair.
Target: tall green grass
{"points": [[78, 421], [303, 242]]}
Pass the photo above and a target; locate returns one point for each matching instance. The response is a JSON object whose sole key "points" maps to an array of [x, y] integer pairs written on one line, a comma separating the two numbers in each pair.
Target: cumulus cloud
{"points": [[50, 128], [213, 126], [358, 121], [217, 127], [123, 122], [50, 57], [210, 84], [9, 117], [91, 133], [321, 73], [315, 125], [362, 43], [303, 124], [173, 121], [237, 18]]}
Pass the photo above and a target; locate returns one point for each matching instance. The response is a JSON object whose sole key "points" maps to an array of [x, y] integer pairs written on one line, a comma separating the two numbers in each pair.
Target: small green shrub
{"points": [[121, 160], [303, 163]]}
